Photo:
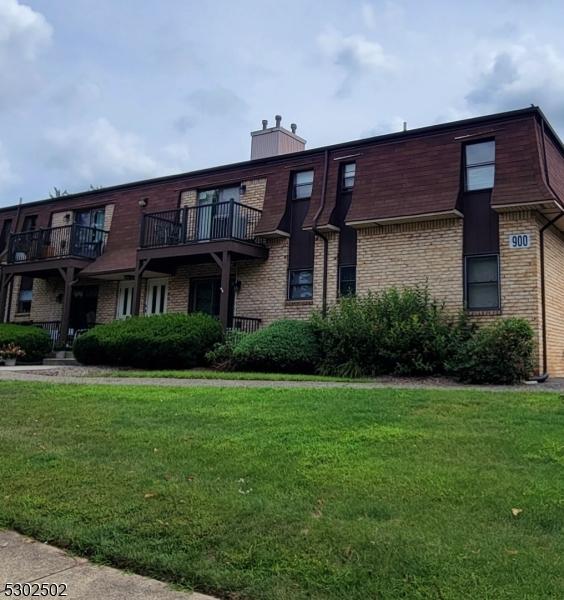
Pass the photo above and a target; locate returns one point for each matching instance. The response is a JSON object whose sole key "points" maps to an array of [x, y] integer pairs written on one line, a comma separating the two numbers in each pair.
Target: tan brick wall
{"points": [[410, 254], [58, 218], [108, 215], [554, 287], [107, 301], [254, 193], [189, 198]]}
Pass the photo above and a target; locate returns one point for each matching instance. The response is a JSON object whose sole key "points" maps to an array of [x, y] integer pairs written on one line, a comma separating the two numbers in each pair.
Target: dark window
{"points": [[30, 223], [90, 217], [348, 173], [347, 280], [482, 282], [303, 185], [300, 286], [480, 165], [5, 233], [24, 295]]}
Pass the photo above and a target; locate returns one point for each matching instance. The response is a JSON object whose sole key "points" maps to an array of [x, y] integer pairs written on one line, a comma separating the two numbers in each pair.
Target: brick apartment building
{"points": [[474, 209]]}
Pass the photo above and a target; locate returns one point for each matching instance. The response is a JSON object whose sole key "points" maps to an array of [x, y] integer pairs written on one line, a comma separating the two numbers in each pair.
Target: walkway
{"points": [[23, 560], [66, 375]]}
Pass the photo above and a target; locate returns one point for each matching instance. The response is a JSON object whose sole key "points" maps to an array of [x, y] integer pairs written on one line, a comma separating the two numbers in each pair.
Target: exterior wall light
{"points": [[143, 202]]}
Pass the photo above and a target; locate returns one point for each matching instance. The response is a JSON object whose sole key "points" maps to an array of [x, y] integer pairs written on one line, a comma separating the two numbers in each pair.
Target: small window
{"points": [[303, 185], [25, 295], [29, 223], [348, 174], [347, 281], [480, 166], [5, 234], [482, 282], [300, 285]]}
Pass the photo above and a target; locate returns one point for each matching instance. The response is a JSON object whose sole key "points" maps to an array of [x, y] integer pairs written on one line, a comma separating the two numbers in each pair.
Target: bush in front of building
{"points": [[34, 341], [220, 357], [284, 346], [394, 332], [498, 353], [169, 341]]}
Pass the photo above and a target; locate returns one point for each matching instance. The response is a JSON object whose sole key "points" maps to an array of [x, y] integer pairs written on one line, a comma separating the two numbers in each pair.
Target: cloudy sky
{"points": [[98, 92]]}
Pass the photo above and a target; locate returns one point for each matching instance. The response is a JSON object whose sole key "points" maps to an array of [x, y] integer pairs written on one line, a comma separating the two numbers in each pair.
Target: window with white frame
{"points": [[348, 174], [480, 165], [302, 185], [125, 299], [482, 282], [157, 292]]}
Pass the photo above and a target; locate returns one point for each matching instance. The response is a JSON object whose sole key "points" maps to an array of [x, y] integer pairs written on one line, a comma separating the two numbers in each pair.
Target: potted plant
{"points": [[10, 353]]}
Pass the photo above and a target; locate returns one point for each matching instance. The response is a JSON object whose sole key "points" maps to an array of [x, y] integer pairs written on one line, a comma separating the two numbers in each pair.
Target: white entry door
{"points": [[125, 299], [157, 292]]}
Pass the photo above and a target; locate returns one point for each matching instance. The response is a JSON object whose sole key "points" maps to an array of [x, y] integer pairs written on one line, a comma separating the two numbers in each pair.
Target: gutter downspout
{"points": [[544, 375], [321, 235]]}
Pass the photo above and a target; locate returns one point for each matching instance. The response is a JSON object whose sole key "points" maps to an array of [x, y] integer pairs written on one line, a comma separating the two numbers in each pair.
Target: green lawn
{"points": [[293, 493], [238, 375]]}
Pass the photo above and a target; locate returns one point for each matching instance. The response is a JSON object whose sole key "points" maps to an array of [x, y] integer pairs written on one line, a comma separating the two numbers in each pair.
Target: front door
{"points": [[205, 296], [157, 292], [83, 307]]}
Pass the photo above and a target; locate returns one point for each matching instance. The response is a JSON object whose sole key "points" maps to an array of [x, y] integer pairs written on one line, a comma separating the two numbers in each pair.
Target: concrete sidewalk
{"points": [[23, 560]]}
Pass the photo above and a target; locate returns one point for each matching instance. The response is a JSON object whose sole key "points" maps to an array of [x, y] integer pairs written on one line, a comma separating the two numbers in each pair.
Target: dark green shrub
{"points": [[400, 332], [171, 341], [284, 346], [501, 352], [34, 341], [221, 355]]}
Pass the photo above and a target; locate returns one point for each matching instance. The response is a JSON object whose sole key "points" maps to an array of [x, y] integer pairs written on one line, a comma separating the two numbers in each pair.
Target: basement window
{"points": [[300, 284], [480, 165], [347, 280], [303, 185], [482, 282]]}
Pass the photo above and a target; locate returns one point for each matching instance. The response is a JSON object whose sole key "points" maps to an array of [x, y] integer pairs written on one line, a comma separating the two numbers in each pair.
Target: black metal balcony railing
{"points": [[57, 242], [205, 223]]}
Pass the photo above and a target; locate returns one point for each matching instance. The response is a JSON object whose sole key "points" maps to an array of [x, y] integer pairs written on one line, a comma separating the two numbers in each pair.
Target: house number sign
{"points": [[519, 240]]}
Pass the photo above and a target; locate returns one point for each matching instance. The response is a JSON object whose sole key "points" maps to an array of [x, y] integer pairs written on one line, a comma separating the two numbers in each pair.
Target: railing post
{"points": [[230, 222], [184, 219]]}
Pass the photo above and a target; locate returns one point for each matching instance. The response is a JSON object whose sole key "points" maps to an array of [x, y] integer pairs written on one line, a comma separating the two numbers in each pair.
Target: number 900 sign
{"points": [[519, 240]]}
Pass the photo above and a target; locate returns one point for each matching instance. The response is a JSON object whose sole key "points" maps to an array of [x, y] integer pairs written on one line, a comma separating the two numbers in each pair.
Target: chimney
{"points": [[272, 141]]}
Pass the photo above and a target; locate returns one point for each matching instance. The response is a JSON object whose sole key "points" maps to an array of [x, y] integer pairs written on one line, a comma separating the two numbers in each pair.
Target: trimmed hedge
{"points": [[34, 341], [171, 341], [284, 346], [499, 353]]}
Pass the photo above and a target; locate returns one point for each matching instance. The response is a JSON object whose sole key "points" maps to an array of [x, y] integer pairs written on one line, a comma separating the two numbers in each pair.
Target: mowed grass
{"points": [[229, 375], [292, 493]]}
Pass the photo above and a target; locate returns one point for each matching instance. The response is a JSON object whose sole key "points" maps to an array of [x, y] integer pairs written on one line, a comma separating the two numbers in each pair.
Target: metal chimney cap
{"points": [[293, 127], [264, 123], [278, 119]]}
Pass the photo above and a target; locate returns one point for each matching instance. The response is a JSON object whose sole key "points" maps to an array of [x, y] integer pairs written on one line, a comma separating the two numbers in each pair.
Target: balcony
{"points": [[199, 224], [190, 233], [66, 242]]}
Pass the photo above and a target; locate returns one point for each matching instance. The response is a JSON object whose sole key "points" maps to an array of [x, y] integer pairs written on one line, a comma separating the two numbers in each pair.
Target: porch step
{"points": [[61, 358], [60, 362]]}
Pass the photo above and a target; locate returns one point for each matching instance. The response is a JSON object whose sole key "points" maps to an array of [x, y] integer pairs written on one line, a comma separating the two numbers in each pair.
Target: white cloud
{"points": [[517, 75], [354, 51], [23, 31], [98, 153], [7, 175]]}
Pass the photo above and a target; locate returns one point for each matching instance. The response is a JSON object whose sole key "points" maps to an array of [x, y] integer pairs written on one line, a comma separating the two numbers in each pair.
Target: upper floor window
{"points": [[302, 185], [29, 223], [482, 282], [480, 165], [5, 233], [219, 195], [90, 217], [348, 173]]}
